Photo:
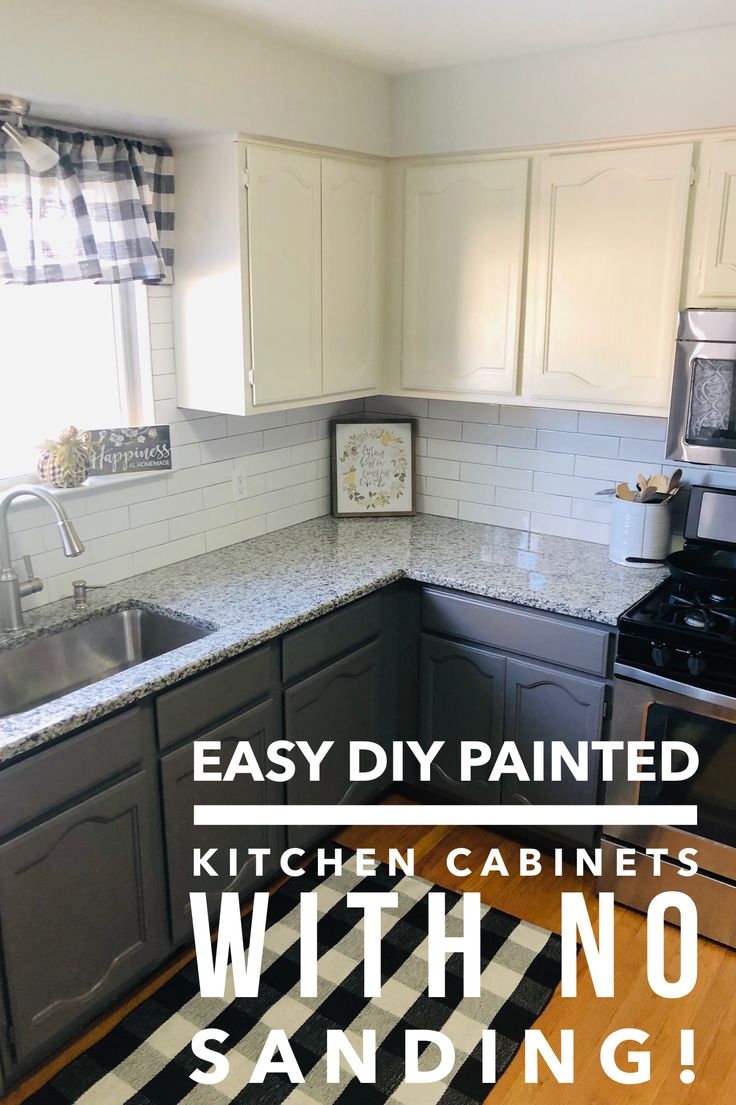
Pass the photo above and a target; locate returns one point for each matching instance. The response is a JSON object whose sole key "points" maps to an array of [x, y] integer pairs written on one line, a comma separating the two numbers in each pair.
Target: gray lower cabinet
{"points": [[259, 726], [544, 704], [462, 699], [81, 884], [342, 702]]}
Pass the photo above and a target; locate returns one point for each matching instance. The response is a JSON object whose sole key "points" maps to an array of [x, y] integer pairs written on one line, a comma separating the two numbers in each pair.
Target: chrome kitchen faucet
{"points": [[12, 589]]}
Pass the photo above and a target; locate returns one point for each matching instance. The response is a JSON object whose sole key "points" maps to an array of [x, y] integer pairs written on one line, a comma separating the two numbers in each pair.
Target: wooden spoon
{"points": [[623, 491], [675, 480], [641, 482]]}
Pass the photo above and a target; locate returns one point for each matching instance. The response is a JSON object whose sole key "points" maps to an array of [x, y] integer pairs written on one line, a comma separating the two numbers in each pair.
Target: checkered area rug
{"points": [[146, 1059]]}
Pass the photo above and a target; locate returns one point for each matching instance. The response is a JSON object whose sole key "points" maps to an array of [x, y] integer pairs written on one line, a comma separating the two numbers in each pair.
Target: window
{"points": [[71, 354]]}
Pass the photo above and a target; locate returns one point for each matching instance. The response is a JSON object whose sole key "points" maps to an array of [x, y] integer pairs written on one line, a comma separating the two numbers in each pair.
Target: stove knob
{"points": [[696, 663], [660, 654]]}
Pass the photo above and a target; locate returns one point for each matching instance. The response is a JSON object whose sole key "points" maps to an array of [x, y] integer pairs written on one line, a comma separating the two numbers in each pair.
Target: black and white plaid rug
{"points": [[147, 1058]]}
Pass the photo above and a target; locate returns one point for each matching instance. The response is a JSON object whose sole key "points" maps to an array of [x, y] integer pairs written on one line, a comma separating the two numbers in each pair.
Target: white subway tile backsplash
{"points": [[162, 335], [455, 489], [466, 412], [162, 362], [290, 435], [443, 428], [164, 387], [398, 406], [462, 451], [239, 531], [170, 553], [516, 437], [592, 444], [623, 425], [494, 515], [641, 450], [534, 501], [535, 460], [570, 527], [204, 429], [435, 466], [501, 477], [431, 504], [225, 448], [540, 418]]}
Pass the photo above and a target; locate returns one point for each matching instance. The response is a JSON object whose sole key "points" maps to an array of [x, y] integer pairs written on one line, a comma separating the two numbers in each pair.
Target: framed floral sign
{"points": [[372, 468]]}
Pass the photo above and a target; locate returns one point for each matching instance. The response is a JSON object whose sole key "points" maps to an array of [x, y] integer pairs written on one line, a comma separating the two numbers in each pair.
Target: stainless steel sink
{"points": [[51, 666]]}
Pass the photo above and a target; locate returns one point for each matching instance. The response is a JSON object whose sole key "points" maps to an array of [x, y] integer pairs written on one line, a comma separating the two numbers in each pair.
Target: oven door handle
{"points": [[687, 690]]}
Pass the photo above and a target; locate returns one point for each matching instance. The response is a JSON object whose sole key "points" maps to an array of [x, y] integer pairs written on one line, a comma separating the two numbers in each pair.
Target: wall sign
{"points": [[130, 449], [372, 468]]}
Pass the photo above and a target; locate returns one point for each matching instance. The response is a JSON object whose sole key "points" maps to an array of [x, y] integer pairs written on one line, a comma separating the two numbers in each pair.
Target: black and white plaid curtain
{"points": [[104, 213]]}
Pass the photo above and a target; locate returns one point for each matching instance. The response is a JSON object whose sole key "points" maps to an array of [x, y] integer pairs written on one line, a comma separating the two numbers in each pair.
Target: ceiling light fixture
{"points": [[36, 154]]}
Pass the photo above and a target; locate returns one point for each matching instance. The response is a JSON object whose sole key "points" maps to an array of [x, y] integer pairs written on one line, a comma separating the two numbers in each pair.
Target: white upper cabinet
{"points": [[713, 254], [284, 230], [352, 286], [278, 298], [463, 259], [605, 270]]}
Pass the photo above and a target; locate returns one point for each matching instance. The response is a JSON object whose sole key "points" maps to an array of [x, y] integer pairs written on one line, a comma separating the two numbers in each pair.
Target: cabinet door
{"points": [[284, 200], [84, 913], [714, 231], [352, 229], [463, 254], [605, 269], [461, 698], [340, 703], [545, 705], [181, 793]]}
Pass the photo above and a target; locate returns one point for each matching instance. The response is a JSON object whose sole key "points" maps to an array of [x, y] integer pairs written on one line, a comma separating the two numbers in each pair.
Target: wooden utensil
{"points": [[641, 482], [675, 480], [659, 483], [623, 491], [648, 494]]}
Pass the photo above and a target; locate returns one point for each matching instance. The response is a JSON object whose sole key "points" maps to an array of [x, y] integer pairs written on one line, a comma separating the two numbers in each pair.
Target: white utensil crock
{"points": [[641, 530]]}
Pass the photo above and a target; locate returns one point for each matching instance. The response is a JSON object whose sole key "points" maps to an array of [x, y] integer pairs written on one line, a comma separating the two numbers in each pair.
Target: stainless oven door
{"points": [[702, 423], [650, 707]]}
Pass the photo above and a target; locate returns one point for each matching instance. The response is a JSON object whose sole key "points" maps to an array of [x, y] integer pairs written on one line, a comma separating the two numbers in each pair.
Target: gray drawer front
{"points": [[513, 629], [314, 645], [207, 699], [49, 779]]}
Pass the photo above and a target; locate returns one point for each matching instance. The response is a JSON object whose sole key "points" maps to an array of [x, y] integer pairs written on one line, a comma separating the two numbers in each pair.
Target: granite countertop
{"points": [[260, 588]]}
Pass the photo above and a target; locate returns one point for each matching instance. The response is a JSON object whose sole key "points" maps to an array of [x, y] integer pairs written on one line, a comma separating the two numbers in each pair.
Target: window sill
{"points": [[95, 485]]}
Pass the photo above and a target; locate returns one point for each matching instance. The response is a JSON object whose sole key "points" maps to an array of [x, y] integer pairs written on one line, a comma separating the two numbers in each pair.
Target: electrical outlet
{"points": [[240, 485]]}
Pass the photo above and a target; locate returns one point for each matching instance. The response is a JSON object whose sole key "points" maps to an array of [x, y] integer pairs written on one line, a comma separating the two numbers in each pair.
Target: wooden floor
{"points": [[710, 1010]]}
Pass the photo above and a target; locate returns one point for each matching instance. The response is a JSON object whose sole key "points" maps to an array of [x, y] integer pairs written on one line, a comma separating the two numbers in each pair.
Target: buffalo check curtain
{"points": [[104, 213]]}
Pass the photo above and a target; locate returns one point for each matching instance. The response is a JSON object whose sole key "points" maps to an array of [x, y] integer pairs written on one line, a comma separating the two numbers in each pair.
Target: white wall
{"points": [[163, 69], [643, 86]]}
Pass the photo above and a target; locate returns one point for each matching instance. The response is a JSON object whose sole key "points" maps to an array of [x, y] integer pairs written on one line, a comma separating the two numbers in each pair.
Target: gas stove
{"points": [[683, 633]]}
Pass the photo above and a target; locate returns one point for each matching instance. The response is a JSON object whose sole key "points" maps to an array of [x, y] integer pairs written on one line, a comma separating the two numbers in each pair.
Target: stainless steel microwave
{"points": [[702, 424]]}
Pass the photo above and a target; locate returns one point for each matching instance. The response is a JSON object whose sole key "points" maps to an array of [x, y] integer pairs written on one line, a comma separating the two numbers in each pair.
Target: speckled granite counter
{"points": [[263, 587]]}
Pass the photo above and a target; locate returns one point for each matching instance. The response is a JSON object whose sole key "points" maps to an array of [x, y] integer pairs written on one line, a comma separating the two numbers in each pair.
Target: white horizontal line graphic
{"points": [[445, 815]]}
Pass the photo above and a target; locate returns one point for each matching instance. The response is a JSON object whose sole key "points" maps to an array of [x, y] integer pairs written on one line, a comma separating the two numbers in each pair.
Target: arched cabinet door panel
{"points": [[352, 247], [713, 254], [284, 232], [341, 703], [542, 705], [464, 226], [461, 699], [606, 246], [84, 912], [259, 727]]}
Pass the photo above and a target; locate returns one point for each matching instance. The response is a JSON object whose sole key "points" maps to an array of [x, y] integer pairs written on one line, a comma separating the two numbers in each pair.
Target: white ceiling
{"points": [[401, 35]]}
